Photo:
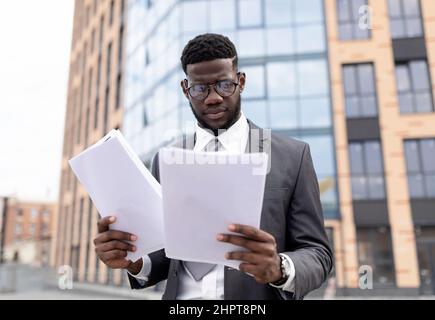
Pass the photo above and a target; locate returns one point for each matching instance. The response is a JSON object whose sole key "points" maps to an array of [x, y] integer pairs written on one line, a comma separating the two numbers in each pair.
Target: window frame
{"points": [[350, 21], [358, 94], [421, 172], [412, 91], [261, 24], [371, 236], [403, 18], [366, 174]]}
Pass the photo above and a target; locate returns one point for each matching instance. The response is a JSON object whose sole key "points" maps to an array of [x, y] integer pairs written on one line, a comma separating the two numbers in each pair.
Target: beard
{"points": [[234, 116]]}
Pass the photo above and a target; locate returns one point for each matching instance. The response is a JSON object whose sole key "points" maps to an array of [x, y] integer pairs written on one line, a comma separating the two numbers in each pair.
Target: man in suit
{"points": [[289, 255]]}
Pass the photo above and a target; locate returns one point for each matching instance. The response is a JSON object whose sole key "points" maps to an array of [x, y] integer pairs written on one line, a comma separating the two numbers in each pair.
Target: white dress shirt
{"points": [[211, 286]]}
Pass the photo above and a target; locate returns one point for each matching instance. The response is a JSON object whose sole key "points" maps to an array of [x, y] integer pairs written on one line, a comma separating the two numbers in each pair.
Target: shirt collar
{"points": [[233, 140]]}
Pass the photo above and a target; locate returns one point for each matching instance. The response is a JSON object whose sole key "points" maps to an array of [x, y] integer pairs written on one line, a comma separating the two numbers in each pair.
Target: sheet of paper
{"points": [[119, 184], [204, 192]]}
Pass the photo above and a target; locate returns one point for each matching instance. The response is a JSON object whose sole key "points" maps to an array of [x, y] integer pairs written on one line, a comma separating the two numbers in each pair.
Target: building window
{"points": [[44, 229], [97, 269], [420, 155], [194, 19], [122, 12], [46, 214], [118, 91], [108, 61], [405, 18], [96, 114], [89, 236], [63, 233], [87, 15], [79, 121], [106, 109], [297, 95], [88, 115], [120, 47], [32, 229], [34, 213], [110, 277], [367, 172], [425, 233], [18, 229], [112, 9], [93, 41], [360, 90], [375, 251], [257, 84], [100, 41], [81, 208], [75, 255], [350, 26], [90, 82], [413, 87], [97, 93], [20, 212], [107, 92], [250, 13], [224, 15]]}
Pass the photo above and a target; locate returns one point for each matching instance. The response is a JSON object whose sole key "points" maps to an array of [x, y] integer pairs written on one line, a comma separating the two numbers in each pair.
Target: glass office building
{"points": [[282, 49]]}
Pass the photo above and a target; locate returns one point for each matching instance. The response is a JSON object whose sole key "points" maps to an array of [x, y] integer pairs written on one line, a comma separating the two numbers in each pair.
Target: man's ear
{"points": [[242, 81], [184, 88]]}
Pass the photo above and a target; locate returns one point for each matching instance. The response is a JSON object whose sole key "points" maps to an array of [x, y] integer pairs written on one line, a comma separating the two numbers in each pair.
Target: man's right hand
{"points": [[111, 247]]}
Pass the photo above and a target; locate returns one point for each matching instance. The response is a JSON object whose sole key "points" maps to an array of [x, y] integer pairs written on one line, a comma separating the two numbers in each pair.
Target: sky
{"points": [[34, 60]]}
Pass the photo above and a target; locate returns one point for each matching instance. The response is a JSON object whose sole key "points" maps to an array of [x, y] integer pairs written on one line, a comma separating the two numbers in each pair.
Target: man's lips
{"points": [[215, 114]]}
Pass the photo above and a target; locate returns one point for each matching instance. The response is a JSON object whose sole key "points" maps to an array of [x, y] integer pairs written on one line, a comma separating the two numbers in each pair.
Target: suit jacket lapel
{"points": [[259, 140]]}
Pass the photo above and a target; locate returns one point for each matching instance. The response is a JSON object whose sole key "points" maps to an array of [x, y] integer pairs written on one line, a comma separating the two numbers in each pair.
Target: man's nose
{"points": [[213, 97]]}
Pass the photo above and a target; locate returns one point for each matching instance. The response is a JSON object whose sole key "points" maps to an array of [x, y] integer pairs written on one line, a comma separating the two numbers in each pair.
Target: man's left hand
{"points": [[261, 260]]}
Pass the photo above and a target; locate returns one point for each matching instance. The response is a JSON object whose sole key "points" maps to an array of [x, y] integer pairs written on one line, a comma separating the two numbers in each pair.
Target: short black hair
{"points": [[207, 47]]}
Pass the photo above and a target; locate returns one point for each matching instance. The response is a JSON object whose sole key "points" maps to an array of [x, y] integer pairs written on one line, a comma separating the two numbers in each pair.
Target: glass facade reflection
{"points": [[282, 49]]}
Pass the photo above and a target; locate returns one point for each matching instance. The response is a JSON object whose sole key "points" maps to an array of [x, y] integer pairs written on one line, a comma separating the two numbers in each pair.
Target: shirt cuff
{"points": [[289, 285], [144, 272]]}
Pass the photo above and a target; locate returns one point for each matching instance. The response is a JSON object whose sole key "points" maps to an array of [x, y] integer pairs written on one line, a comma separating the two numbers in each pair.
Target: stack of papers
{"points": [[119, 184], [205, 192]]}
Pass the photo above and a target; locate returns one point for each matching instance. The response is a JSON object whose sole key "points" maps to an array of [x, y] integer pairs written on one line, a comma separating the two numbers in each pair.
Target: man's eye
{"points": [[225, 85], [199, 88]]}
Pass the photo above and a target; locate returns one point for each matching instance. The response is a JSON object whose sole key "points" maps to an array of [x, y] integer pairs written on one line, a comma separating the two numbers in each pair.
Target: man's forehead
{"points": [[207, 70]]}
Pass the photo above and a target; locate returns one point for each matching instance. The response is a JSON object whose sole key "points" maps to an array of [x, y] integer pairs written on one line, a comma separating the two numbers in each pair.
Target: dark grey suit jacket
{"points": [[291, 212]]}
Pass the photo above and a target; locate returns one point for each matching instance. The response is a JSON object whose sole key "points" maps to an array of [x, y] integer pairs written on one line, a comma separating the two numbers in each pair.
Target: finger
{"points": [[251, 232], [113, 255], [249, 257], [103, 224], [251, 245], [116, 244], [117, 235]]}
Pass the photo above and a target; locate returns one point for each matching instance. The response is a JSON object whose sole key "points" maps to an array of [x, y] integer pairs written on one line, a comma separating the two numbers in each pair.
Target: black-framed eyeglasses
{"points": [[224, 88]]}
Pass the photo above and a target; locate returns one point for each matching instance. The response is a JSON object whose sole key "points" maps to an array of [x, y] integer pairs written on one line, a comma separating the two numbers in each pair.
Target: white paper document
{"points": [[119, 184], [203, 193]]}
